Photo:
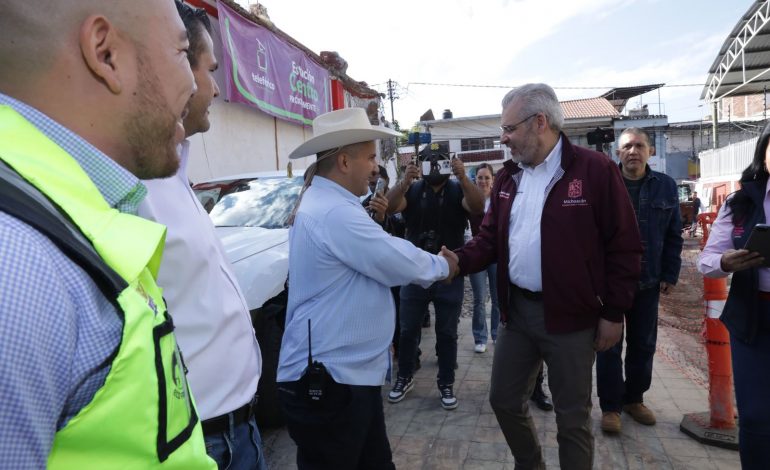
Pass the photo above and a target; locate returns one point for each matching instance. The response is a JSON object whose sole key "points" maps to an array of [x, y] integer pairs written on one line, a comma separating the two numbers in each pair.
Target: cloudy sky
{"points": [[580, 47]]}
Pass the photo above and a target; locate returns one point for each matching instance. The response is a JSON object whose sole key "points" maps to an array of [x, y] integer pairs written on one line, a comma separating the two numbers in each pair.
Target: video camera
{"points": [[435, 160]]}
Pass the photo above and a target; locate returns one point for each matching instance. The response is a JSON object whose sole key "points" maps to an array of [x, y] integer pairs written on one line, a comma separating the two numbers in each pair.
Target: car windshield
{"points": [[265, 202]]}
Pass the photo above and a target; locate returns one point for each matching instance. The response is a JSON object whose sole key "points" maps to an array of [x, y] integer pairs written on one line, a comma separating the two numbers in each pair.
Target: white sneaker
{"points": [[480, 348]]}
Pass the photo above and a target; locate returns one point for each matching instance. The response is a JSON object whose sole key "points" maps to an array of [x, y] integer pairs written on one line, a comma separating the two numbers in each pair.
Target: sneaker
{"points": [[480, 348], [640, 413], [611, 422], [400, 389], [448, 400]]}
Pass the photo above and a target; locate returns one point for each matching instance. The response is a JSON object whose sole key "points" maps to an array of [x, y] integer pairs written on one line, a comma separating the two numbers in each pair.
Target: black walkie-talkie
{"points": [[315, 375]]}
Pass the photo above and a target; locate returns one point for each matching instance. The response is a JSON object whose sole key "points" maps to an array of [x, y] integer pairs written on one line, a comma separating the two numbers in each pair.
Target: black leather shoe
{"points": [[542, 400]]}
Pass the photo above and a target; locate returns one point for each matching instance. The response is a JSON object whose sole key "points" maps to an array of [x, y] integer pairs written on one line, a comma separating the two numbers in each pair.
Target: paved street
{"points": [[424, 436]]}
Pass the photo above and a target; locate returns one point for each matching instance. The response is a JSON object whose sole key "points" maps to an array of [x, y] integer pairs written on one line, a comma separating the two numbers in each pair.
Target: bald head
{"points": [[94, 66], [34, 33]]}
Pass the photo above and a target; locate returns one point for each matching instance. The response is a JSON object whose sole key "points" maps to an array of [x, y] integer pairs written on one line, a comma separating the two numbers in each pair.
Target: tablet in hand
{"points": [[759, 241]]}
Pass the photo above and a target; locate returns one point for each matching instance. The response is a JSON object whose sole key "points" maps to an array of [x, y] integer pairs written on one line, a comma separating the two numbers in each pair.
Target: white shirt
{"points": [[213, 326], [721, 240], [341, 267], [524, 262]]}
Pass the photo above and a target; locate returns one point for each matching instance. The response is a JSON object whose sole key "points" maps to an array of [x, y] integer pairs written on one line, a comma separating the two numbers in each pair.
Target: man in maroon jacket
{"points": [[563, 233]]}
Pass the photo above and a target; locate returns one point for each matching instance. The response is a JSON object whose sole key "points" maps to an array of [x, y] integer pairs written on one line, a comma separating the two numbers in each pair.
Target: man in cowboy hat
{"points": [[340, 307]]}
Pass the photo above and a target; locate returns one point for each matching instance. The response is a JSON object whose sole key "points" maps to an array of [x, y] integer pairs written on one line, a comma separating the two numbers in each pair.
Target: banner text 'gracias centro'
{"points": [[264, 71]]}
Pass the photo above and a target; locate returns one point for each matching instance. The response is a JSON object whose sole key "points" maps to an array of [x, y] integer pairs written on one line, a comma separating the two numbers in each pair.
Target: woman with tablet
{"points": [[746, 313]]}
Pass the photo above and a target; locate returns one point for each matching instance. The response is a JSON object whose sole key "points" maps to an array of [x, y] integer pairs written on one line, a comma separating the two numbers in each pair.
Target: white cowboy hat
{"points": [[338, 128]]}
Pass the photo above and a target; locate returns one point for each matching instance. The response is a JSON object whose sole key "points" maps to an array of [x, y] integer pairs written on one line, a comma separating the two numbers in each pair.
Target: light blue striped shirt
{"points": [[341, 267], [56, 328]]}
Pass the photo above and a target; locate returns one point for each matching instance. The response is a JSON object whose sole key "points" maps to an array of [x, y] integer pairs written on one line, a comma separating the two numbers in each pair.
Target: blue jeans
{"points": [[479, 286], [240, 448], [752, 388], [447, 300], [641, 334]]}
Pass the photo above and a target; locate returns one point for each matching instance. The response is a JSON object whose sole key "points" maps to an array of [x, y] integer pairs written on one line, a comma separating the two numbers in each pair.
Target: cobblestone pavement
{"points": [[424, 436]]}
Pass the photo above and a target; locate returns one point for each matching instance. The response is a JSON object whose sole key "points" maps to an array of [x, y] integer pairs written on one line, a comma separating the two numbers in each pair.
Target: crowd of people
{"points": [[119, 308]]}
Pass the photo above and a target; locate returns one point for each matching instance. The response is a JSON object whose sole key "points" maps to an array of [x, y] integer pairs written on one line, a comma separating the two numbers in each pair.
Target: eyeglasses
{"points": [[511, 129]]}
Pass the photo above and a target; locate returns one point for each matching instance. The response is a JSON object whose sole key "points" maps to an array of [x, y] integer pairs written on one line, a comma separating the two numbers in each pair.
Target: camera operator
{"points": [[436, 211]]}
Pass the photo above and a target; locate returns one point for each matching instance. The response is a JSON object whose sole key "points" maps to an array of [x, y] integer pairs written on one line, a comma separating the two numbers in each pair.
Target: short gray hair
{"points": [[537, 98]]}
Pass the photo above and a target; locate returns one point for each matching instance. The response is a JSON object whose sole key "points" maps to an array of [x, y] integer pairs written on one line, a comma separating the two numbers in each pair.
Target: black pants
{"points": [[347, 431], [641, 334]]}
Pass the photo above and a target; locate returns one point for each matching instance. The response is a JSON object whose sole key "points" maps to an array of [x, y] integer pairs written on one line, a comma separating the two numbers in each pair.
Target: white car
{"points": [[250, 213]]}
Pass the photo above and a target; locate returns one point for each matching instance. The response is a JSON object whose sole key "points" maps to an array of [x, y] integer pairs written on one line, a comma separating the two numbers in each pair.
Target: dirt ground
{"points": [[681, 318]]}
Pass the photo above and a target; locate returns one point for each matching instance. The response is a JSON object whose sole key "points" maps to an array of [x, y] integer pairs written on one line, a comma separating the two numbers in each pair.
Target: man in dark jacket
{"points": [[561, 228], [436, 211], [656, 204]]}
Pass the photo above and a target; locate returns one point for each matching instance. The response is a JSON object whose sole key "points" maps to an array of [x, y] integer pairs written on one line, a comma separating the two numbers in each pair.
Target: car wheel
{"points": [[269, 323]]}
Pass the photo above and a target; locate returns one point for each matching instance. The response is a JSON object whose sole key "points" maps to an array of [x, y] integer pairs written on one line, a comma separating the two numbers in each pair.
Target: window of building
{"points": [[478, 144]]}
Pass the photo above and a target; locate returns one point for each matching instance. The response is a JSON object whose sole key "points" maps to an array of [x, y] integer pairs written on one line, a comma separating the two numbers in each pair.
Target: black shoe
{"points": [[541, 400], [448, 399], [400, 389]]}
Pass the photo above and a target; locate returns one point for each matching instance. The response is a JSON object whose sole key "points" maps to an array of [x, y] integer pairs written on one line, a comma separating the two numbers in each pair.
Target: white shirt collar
{"points": [[322, 182]]}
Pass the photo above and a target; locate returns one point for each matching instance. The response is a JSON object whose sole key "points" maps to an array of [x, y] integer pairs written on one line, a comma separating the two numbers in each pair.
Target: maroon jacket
{"points": [[591, 249]]}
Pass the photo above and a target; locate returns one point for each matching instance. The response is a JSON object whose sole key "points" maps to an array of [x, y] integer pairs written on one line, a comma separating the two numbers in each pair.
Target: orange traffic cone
{"points": [[716, 427], [718, 350]]}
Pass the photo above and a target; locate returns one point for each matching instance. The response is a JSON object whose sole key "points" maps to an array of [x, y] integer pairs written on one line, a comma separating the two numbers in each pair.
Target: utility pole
{"points": [[391, 97], [715, 123]]}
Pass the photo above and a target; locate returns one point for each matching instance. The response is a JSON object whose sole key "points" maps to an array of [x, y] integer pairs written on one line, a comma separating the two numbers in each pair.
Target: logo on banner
{"points": [[261, 56], [262, 79]]}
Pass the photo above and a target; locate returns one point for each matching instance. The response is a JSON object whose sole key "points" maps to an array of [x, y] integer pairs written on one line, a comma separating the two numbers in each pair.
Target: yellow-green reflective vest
{"points": [[143, 416]]}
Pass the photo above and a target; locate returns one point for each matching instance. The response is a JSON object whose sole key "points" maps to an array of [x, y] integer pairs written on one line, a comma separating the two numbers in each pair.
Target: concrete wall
{"points": [[243, 140]]}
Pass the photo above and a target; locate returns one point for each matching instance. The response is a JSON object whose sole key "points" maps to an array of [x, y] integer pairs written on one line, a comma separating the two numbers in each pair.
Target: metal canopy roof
{"points": [[618, 97], [742, 66]]}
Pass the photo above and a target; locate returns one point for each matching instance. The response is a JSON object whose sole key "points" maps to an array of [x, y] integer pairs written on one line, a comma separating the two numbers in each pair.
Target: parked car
{"points": [[250, 214]]}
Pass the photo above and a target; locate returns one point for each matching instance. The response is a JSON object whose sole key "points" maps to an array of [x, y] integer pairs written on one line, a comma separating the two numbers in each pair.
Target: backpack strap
{"points": [[23, 201]]}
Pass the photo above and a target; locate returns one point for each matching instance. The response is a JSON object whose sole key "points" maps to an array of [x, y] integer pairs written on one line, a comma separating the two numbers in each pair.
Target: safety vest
{"points": [[143, 416]]}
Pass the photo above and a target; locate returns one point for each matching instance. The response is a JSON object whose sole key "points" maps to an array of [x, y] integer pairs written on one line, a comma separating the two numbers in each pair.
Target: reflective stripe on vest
{"points": [[143, 415]]}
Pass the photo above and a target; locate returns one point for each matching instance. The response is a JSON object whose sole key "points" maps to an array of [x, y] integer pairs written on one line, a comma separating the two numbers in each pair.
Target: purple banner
{"points": [[264, 71]]}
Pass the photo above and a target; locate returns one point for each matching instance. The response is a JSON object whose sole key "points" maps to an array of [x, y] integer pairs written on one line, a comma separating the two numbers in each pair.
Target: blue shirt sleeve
{"points": [[38, 337], [357, 241]]}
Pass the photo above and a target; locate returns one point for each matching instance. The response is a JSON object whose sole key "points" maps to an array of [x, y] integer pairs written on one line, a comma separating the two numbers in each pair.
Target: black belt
{"points": [[527, 294], [222, 423]]}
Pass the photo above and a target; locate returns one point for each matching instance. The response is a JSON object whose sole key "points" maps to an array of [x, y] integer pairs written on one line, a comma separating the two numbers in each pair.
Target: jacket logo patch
{"points": [[575, 194], [504, 195], [575, 189]]}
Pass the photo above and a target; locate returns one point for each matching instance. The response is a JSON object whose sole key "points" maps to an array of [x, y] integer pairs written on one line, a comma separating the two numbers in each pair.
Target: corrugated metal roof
{"points": [[618, 97], [588, 108], [742, 65]]}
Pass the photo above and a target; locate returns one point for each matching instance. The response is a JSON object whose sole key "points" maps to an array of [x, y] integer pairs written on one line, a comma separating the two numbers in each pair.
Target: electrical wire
{"points": [[466, 85]]}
